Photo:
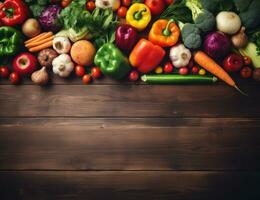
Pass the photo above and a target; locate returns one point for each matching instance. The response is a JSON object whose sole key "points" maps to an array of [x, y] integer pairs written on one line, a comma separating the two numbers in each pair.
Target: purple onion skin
{"points": [[217, 45], [48, 18]]}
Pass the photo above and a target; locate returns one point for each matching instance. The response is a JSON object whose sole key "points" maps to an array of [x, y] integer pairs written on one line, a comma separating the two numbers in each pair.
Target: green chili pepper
{"points": [[178, 79], [10, 41], [112, 62]]}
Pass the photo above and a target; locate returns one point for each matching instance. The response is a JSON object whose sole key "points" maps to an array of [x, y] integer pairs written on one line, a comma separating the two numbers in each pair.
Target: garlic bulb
{"points": [[40, 77]]}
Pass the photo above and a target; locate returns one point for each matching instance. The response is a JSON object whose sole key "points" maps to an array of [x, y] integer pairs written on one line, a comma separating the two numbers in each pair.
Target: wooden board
{"points": [[116, 185], [128, 101], [129, 144]]}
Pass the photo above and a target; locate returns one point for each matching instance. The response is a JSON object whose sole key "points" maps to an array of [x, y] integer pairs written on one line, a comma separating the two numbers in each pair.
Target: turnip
{"points": [[228, 22]]}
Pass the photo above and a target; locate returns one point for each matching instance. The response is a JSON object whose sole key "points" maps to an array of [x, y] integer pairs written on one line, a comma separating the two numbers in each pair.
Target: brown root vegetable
{"points": [[31, 28], [40, 77], [240, 40], [256, 74], [46, 56]]}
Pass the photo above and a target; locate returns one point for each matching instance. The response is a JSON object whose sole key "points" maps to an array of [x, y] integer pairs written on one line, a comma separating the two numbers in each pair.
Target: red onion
{"points": [[217, 45]]}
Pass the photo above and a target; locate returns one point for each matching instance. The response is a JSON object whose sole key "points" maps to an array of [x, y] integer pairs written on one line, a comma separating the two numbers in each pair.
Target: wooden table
{"points": [[123, 141]]}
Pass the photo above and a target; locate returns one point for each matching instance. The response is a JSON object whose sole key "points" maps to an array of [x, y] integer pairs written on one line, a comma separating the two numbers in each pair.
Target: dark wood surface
{"points": [[123, 141]]}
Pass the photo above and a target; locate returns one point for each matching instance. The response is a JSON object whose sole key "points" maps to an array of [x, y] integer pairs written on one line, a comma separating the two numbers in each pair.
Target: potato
{"points": [[31, 28], [83, 53]]}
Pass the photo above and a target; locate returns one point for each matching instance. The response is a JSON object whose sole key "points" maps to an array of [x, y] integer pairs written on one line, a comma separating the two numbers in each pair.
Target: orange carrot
{"points": [[34, 44], [65, 3], [210, 65], [39, 37], [41, 47]]}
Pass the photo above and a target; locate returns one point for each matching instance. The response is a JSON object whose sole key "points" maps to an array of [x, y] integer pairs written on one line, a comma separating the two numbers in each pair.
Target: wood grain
{"points": [[129, 185], [128, 101], [129, 144]]}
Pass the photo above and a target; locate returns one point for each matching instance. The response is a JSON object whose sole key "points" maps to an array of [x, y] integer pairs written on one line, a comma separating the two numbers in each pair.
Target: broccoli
{"points": [[191, 35], [204, 19]]}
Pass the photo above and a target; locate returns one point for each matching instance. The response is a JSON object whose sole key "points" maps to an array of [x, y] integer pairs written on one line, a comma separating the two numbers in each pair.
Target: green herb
{"points": [[178, 11]]}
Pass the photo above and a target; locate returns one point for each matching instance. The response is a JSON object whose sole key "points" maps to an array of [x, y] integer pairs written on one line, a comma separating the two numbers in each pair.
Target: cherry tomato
{"points": [[86, 79], [133, 76], [168, 2], [183, 71], [246, 72], [195, 70], [247, 60], [121, 12], [14, 78], [90, 6], [126, 3], [95, 72], [4, 72], [168, 68], [80, 70]]}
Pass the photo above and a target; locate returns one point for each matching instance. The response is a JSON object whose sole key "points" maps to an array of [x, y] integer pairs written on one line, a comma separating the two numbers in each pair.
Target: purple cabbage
{"points": [[217, 45], [49, 18]]}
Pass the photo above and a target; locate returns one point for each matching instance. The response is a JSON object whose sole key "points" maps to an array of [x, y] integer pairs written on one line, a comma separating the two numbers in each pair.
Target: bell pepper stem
{"points": [[166, 31], [139, 14]]}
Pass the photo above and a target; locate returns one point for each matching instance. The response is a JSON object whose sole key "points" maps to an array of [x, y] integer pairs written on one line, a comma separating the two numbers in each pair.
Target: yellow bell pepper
{"points": [[138, 16]]}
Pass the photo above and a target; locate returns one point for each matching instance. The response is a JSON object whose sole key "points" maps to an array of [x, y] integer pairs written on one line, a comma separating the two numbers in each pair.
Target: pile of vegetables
{"points": [[156, 41]]}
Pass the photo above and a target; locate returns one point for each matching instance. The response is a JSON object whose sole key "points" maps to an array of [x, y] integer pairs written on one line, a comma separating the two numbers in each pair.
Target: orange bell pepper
{"points": [[146, 56], [164, 33]]}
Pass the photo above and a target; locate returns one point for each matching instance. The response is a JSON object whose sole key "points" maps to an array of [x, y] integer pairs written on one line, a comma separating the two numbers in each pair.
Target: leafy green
{"points": [[99, 25], [255, 38], [37, 6], [216, 6], [178, 11], [249, 12]]}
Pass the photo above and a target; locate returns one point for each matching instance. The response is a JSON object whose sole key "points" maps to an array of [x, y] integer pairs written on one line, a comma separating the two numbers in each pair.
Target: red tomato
{"points": [[95, 72], [4, 72], [156, 6], [168, 2], [246, 72], [133, 76], [90, 6], [80, 70], [86, 79], [14, 78], [168, 67], [183, 71], [247, 60], [121, 12], [126, 3], [195, 70]]}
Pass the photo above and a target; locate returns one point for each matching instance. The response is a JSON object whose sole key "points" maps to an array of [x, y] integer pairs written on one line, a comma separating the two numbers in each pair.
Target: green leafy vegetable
{"points": [[178, 11], [216, 6], [99, 25], [255, 38], [37, 6]]}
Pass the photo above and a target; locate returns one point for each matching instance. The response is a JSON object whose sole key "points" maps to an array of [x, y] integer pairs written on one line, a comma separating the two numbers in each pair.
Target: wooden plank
{"points": [[130, 144], [129, 185], [128, 101]]}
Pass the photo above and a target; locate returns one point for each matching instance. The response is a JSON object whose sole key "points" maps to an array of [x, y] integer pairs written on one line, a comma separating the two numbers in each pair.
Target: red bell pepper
{"points": [[146, 56], [13, 12]]}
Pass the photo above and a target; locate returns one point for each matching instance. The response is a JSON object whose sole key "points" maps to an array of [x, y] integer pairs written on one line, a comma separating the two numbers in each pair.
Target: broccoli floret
{"points": [[250, 16], [191, 35], [204, 19]]}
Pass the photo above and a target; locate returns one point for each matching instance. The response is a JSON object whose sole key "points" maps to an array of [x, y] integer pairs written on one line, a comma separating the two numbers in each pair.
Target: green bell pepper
{"points": [[10, 41], [112, 62]]}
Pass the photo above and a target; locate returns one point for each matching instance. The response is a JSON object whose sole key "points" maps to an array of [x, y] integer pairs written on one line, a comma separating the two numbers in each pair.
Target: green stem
{"points": [[139, 14], [9, 12], [166, 31]]}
